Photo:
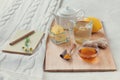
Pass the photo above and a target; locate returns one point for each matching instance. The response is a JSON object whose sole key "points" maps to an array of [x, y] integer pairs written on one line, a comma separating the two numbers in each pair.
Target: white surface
{"points": [[107, 10], [28, 15]]}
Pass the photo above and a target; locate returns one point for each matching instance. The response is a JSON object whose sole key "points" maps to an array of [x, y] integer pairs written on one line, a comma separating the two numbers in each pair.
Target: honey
{"points": [[88, 52]]}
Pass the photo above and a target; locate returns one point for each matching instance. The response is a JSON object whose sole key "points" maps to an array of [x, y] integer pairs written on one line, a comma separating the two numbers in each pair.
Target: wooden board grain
{"points": [[54, 63], [17, 48]]}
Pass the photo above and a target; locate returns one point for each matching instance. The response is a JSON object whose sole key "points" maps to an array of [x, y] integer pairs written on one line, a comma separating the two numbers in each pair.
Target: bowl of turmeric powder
{"points": [[88, 52]]}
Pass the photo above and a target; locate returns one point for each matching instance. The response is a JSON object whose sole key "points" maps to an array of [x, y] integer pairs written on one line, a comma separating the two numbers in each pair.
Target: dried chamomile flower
{"points": [[31, 49], [26, 49], [23, 47]]}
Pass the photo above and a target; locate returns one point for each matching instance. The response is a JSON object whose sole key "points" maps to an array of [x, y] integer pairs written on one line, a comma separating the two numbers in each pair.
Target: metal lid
{"points": [[67, 11]]}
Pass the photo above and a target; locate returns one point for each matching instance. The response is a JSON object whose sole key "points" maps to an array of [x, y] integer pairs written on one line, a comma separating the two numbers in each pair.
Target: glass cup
{"points": [[60, 38], [82, 31]]}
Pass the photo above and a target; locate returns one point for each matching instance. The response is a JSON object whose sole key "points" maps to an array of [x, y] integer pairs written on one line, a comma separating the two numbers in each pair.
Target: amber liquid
{"points": [[92, 60], [81, 32], [90, 57]]}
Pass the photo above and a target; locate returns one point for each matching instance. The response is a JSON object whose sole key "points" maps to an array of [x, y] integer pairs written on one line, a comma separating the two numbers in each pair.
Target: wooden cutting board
{"points": [[17, 48], [54, 63]]}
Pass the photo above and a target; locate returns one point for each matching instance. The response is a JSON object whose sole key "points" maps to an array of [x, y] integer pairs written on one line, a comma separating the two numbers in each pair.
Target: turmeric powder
{"points": [[67, 56]]}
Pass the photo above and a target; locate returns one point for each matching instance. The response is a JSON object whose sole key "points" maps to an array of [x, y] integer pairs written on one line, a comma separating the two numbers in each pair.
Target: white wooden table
{"points": [[106, 10]]}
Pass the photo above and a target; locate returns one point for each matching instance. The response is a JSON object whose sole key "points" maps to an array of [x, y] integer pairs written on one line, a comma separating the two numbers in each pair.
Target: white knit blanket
{"points": [[25, 14]]}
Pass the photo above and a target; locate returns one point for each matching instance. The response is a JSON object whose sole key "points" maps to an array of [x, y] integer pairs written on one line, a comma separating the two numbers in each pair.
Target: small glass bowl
{"points": [[59, 38], [88, 52]]}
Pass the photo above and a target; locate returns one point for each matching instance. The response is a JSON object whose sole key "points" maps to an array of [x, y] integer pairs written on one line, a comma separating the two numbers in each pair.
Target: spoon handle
{"points": [[73, 45]]}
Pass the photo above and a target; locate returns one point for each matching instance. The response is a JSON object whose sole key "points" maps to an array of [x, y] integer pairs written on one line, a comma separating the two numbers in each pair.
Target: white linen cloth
{"points": [[25, 14]]}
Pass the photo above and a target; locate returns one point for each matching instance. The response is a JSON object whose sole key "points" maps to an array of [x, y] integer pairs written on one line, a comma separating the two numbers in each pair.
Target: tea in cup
{"points": [[58, 34], [82, 31]]}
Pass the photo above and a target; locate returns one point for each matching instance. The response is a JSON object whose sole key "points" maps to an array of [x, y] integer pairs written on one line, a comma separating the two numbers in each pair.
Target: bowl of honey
{"points": [[88, 52]]}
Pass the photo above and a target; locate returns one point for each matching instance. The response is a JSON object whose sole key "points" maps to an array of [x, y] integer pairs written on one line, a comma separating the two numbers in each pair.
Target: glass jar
{"points": [[82, 31], [59, 37]]}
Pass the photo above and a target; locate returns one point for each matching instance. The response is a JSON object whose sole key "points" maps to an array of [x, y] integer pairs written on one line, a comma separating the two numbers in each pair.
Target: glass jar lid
{"points": [[67, 11]]}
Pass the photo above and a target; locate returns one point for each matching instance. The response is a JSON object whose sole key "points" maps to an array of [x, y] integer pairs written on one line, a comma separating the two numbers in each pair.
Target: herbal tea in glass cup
{"points": [[82, 31], [58, 34]]}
